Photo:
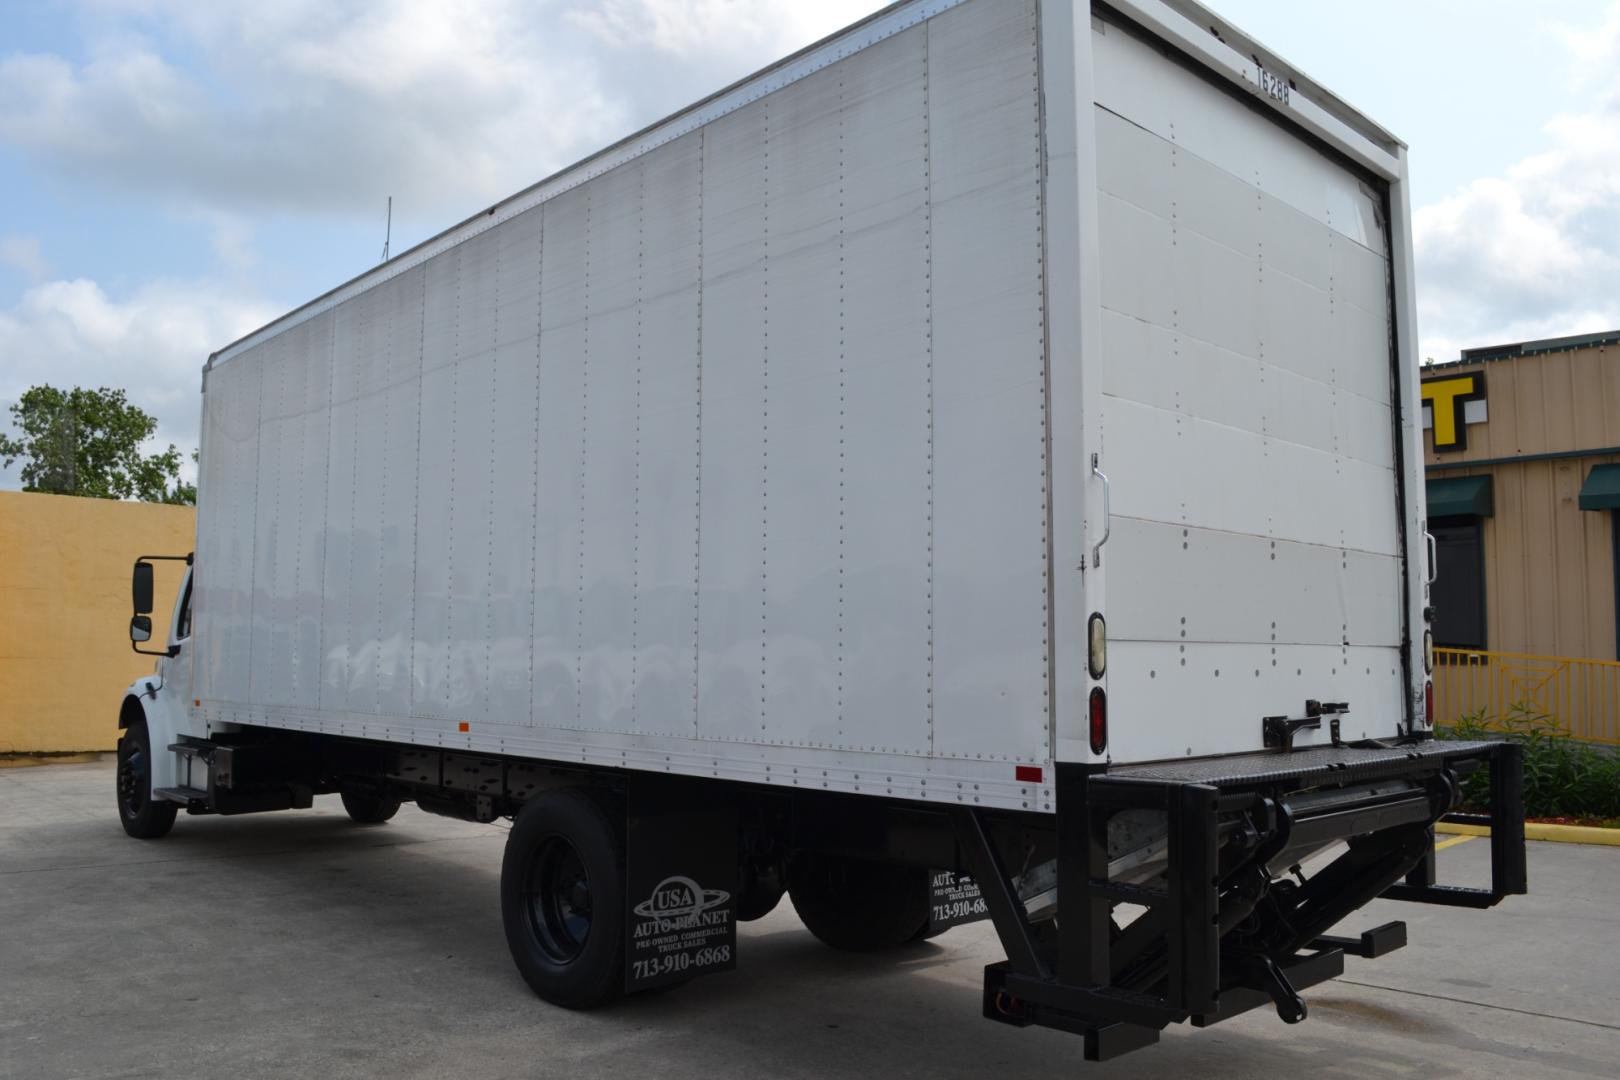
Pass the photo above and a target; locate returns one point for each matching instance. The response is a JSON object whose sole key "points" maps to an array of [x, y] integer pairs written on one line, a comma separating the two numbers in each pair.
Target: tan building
{"points": [[65, 658], [1523, 455]]}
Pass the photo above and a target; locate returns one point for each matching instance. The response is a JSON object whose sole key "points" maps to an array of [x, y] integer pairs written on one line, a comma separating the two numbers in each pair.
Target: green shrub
{"points": [[1562, 777]]}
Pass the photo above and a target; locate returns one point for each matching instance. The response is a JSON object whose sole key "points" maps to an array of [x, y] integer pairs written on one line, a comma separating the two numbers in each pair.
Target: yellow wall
{"points": [[64, 613]]}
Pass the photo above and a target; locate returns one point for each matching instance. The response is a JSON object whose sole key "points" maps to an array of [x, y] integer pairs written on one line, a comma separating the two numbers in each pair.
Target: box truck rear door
{"points": [[1245, 416]]}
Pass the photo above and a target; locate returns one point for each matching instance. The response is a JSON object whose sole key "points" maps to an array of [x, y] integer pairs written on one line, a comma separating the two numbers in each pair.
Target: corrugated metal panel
{"points": [[743, 439]]}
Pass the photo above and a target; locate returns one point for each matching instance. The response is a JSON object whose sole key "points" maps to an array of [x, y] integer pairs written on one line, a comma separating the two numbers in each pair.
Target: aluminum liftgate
{"points": [[1220, 937]]}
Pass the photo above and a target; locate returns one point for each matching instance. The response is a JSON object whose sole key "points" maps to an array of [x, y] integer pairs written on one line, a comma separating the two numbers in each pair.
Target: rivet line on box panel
{"points": [[416, 488], [697, 509], [326, 530], [253, 536], [579, 519], [363, 337], [534, 498], [928, 344], [389, 293], [842, 397], [450, 522], [1045, 376], [765, 433], [489, 488], [635, 503]]}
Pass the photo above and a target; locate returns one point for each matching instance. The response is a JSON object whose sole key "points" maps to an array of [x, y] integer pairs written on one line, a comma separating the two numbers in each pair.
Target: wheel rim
{"points": [[557, 896], [133, 779]]}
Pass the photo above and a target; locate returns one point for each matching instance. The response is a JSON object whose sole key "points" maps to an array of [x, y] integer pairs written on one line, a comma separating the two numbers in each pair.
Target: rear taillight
{"points": [[1099, 720], [1428, 703]]}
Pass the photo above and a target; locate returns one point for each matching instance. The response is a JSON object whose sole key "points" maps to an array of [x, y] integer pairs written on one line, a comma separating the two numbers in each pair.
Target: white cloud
{"points": [[698, 28], [152, 343], [1534, 252], [329, 106]]}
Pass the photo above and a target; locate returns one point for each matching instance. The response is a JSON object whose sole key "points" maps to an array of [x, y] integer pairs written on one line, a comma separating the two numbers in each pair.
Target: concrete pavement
{"points": [[299, 944]]}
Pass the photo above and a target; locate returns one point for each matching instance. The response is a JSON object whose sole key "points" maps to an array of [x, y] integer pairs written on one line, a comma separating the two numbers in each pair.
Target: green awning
{"points": [[1462, 496], [1602, 488]]}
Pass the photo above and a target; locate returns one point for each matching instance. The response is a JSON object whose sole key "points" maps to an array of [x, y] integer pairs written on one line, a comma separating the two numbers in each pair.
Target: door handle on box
{"points": [[1108, 518]]}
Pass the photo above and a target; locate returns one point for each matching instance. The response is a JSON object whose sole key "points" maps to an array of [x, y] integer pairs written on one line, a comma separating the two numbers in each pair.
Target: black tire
{"points": [[858, 905], [760, 888], [142, 816], [369, 807], [563, 897]]}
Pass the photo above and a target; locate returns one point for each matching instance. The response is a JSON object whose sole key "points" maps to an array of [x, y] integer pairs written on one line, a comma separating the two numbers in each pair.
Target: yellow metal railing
{"points": [[1582, 696]]}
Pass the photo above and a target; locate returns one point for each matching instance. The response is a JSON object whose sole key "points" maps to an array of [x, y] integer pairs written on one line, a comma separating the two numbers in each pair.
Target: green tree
{"points": [[88, 442]]}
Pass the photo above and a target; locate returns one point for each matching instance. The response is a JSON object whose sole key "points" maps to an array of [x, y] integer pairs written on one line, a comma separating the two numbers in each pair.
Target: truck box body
{"points": [[761, 446]]}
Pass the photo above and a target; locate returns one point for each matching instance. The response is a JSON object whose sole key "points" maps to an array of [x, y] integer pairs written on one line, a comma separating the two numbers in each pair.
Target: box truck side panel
{"points": [[885, 311], [558, 525], [1246, 410], [738, 444], [988, 384], [665, 592], [227, 490]]}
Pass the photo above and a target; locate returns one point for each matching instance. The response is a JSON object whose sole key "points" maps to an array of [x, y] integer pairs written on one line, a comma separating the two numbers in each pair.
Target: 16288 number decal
{"points": [[1271, 86]]}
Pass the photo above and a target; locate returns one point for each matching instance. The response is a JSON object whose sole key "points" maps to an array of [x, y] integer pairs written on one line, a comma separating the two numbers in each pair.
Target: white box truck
{"points": [[969, 468]]}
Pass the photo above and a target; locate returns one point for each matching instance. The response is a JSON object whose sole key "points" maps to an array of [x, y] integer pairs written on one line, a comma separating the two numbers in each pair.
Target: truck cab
{"points": [[154, 713]]}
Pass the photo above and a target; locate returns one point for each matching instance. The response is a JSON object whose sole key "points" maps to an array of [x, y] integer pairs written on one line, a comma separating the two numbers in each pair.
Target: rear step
{"points": [[251, 801]]}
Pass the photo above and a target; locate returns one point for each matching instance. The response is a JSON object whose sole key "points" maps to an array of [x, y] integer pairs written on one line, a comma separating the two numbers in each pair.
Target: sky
{"points": [[175, 173]]}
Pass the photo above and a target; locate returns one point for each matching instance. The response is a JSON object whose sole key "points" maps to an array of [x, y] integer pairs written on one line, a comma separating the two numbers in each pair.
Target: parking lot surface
{"points": [[299, 944]]}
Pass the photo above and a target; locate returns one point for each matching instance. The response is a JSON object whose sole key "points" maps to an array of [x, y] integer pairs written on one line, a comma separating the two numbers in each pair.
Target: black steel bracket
{"points": [[1279, 731], [1509, 876]]}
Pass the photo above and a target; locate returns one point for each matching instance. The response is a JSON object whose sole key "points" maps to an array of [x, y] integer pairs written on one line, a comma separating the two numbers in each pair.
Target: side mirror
{"points": [[140, 627], [142, 590]]}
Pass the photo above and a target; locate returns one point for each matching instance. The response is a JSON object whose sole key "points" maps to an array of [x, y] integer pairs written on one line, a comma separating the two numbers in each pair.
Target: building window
{"points": [[1459, 585]]}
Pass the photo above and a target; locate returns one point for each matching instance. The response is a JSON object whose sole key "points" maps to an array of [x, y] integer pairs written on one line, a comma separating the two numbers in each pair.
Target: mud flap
{"points": [[953, 899], [681, 880]]}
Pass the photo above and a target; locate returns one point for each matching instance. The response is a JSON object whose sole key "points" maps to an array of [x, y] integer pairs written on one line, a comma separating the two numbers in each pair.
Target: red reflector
{"points": [[1099, 720], [1027, 774], [1428, 703], [464, 726]]}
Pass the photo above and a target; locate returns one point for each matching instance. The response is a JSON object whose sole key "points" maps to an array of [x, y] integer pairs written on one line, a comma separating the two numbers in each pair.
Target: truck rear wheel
{"points": [[856, 904], [562, 897], [142, 816], [368, 807]]}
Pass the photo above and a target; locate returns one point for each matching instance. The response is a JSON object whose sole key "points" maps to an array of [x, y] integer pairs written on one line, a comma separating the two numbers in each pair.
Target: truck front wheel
{"points": [[856, 904], [562, 897], [142, 816]]}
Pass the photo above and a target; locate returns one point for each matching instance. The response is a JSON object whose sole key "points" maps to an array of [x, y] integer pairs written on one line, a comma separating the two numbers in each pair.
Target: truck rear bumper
{"points": [[1230, 921]]}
